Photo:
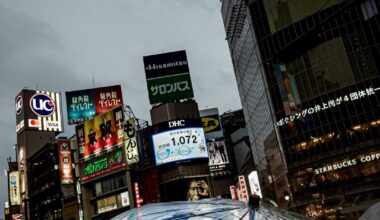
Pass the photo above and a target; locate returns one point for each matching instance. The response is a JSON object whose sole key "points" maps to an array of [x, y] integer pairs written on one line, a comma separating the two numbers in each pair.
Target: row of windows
{"points": [[110, 184]]}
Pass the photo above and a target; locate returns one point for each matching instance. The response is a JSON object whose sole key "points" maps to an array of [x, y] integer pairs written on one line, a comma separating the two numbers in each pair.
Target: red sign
{"points": [[139, 200], [66, 164], [233, 193], [243, 189], [107, 98]]}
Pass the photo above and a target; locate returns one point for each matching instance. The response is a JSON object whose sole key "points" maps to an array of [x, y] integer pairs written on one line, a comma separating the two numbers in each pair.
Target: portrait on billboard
{"points": [[197, 189], [102, 132], [217, 153]]}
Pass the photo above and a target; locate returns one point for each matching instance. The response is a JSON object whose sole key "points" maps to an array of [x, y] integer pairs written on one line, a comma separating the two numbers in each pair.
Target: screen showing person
{"points": [[198, 189]]}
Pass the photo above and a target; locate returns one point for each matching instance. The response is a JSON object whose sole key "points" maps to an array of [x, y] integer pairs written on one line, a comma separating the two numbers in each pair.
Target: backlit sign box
{"points": [[38, 110], [86, 104], [168, 77], [211, 123], [102, 133], [14, 188], [181, 140], [65, 162]]}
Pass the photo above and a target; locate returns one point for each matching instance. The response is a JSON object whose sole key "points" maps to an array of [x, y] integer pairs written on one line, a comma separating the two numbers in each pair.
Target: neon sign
{"points": [[328, 105]]}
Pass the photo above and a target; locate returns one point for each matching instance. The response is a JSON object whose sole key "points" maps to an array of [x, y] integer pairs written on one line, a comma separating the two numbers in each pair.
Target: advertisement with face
{"points": [[100, 133], [14, 188], [85, 104], [197, 189]]}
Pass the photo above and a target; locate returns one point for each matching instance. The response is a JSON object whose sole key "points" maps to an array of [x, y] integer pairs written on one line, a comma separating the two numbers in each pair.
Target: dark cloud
{"points": [[59, 46]]}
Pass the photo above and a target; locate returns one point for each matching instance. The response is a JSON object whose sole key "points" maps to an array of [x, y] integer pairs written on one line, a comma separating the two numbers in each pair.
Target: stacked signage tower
{"points": [[179, 145], [106, 143], [38, 121]]}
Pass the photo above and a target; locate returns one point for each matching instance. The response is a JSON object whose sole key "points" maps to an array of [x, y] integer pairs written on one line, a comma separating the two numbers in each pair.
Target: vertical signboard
{"points": [[38, 110], [14, 188], [131, 149], [218, 158], [139, 200], [103, 132], [86, 104], [168, 77], [233, 193], [65, 162], [254, 184], [243, 189]]}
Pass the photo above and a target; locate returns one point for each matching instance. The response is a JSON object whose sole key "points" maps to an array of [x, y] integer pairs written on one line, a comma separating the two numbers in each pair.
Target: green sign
{"points": [[169, 88], [104, 163]]}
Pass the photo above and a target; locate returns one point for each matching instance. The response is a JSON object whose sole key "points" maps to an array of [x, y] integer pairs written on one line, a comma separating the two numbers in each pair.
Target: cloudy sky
{"points": [[60, 45]]}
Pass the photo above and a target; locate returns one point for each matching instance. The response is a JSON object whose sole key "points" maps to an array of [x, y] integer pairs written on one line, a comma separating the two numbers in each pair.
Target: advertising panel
{"points": [[255, 184], [131, 149], [168, 77], [102, 133], [104, 164], [106, 204], [65, 162], [85, 104], [218, 158], [198, 189], [38, 110], [14, 188], [243, 190], [139, 199], [124, 199], [170, 88], [211, 123], [179, 144]]}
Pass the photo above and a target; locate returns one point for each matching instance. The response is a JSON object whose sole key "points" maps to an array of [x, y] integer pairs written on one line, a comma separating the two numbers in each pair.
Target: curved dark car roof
{"points": [[204, 209]]}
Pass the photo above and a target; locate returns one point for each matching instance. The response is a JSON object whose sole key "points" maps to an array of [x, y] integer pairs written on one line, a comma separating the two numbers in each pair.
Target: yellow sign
{"points": [[210, 124]]}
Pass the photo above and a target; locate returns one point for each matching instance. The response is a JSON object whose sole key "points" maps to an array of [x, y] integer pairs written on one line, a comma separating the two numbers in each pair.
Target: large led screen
{"points": [[179, 144]]}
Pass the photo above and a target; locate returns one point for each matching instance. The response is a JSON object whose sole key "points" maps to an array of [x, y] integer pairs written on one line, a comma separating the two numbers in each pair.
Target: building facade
{"points": [[256, 103], [320, 72]]}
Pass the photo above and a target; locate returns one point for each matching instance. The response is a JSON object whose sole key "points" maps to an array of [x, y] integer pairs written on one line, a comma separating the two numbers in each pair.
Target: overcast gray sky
{"points": [[59, 45]]}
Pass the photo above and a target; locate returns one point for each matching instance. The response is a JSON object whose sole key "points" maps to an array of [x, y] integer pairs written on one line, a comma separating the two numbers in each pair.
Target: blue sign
{"points": [[42, 105], [179, 144]]}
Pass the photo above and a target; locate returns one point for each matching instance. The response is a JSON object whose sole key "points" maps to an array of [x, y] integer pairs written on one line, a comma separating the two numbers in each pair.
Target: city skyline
{"points": [[46, 48]]}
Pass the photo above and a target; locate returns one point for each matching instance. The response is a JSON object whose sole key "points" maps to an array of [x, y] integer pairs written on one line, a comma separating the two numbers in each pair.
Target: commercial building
{"points": [[314, 63], [251, 83]]}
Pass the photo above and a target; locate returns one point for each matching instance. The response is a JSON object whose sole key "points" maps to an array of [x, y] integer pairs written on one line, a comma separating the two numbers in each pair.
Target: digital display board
{"points": [[179, 144], [100, 133], [86, 104], [168, 77]]}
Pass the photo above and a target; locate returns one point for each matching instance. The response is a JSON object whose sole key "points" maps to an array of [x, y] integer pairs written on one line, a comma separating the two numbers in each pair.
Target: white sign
{"points": [[179, 144], [254, 184], [124, 199], [131, 149], [328, 105]]}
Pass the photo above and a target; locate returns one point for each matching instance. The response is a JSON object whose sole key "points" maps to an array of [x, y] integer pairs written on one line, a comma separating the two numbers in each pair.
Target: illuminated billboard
{"points": [[181, 141], [168, 77], [211, 123], [102, 165], [254, 184], [38, 110], [131, 149], [218, 158], [14, 188], [102, 133], [65, 162], [86, 104]]}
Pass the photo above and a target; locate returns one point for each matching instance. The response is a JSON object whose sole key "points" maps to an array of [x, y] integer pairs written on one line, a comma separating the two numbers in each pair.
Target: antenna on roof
{"points": [[93, 80]]}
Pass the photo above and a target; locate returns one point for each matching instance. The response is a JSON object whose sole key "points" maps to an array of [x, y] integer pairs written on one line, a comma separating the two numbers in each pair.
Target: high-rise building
{"points": [[253, 93], [308, 76]]}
